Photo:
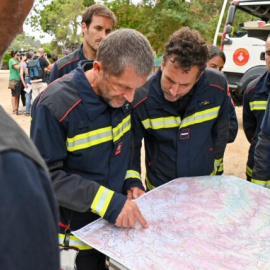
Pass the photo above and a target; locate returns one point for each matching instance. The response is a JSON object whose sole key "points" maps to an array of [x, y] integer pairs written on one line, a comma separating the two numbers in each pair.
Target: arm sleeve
{"points": [[29, 216], [233, 123], [133, 176], [72, 190], [249, 120], [261, 169]]}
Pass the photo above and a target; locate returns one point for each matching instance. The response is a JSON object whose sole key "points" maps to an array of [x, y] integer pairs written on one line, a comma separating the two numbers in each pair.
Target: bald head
{"points": [[14, 11]]}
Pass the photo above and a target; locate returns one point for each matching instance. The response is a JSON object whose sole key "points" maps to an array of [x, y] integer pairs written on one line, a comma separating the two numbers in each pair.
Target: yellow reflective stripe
{"points": [[258, 105], [121, 128], [262, 183], [148, 184], [200, 117], [88, 139], [249, 171], [73, 242], [161, 122], [132, 174], [101, 202]]}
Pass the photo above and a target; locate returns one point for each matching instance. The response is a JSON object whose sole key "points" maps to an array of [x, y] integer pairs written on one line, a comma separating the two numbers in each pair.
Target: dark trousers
{"points": [[90, 260]]}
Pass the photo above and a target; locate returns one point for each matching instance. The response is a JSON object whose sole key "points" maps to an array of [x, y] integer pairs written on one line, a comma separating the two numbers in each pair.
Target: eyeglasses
{"points": [[17, 55]]}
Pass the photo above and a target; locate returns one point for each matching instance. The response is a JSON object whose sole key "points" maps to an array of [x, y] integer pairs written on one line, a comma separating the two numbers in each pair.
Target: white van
{"points": [[245, 48]]}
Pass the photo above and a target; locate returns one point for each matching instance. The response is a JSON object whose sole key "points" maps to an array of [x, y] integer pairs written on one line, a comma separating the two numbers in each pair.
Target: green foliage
{"points": [[156, 19]]}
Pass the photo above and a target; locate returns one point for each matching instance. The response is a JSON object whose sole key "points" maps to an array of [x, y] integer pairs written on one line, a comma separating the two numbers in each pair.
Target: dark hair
{"points": [[13, 53], [186, 48], [216, 51], [54, 57], [125, 48], [98, 10]]}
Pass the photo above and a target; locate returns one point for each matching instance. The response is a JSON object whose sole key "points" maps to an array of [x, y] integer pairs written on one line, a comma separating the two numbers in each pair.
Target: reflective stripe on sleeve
{"points": [[101, 201], [261, 183], [200, 117], [161, 122], [148, 184], [132, 174], [249, 171], [73, 242], [258, 105]]}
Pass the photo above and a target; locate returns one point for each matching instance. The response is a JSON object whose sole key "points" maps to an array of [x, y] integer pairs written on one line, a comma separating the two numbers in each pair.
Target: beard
{"points": [[104, 92]]}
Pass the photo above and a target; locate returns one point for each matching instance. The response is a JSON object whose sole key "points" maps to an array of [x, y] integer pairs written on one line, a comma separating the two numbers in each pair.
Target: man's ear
{"points": [[162, 65], [83, 27], [97, 67]]}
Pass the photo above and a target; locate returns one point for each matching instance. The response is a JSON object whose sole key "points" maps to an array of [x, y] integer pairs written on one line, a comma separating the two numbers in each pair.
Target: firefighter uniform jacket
{"points": [[254, 106], [261, 170], [86, 145], [66, 64], [176, 147]]}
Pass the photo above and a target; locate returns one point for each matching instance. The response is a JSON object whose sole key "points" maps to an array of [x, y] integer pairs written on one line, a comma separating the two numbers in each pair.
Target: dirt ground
{"points": [[235, 155]]}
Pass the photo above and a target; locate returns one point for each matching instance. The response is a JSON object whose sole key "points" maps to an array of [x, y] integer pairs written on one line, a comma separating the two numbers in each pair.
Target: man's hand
{"points": [[134, 193], [129, 214]]}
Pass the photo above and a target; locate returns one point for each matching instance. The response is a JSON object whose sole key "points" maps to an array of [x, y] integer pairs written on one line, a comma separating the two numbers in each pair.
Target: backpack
{"points": [[34, 69]]}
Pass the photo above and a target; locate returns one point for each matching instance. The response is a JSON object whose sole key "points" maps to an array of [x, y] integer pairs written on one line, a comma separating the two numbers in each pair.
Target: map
{"points": [[208, 222]]}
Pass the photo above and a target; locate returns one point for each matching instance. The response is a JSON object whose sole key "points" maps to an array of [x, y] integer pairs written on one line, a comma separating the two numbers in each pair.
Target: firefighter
{"points": [[182, 113], [254, 106], [84, 132], [28, 211], [97, 22], [217, 60]]}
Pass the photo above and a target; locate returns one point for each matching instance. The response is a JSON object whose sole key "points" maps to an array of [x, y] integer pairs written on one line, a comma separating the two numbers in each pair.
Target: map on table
{"points": [[209, 222]]}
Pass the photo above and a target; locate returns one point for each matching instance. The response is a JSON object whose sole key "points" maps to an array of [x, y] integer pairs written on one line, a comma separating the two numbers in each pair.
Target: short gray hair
{"points": [[125, 48]]}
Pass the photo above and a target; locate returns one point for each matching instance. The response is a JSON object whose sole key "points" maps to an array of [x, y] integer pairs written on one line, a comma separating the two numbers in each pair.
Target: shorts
{"points": [[17, 91]]}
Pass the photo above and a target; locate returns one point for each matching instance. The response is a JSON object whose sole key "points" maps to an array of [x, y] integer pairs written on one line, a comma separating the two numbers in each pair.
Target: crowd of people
{"points": [[88, 126], [25, 89]]}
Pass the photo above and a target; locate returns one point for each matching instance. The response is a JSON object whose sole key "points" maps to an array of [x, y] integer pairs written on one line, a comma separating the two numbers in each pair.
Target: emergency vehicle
{"points": [[244, 44]]}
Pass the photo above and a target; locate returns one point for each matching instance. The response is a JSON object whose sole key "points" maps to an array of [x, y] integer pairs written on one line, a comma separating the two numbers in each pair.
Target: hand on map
{"points": [[134, 193], [129, 214]]}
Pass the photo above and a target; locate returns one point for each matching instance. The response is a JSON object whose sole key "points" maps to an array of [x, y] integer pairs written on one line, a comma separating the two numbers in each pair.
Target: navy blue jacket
{"points": [[86, 145], [254, 106], [175, 147], [28, 212], [66, 64]]}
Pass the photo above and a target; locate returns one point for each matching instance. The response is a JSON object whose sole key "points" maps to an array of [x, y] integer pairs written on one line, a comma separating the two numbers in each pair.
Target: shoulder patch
{"points": [[72, 57], [216, 79], [142, 92], [61, 97]]}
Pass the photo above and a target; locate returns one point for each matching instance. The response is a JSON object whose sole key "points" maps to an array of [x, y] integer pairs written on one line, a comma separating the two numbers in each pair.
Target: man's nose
{"points": [[129, 95]]}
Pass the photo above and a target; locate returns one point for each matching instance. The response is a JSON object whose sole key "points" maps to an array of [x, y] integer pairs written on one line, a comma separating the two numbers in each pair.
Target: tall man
{"points": [[97, 22], [82, 128], [39, 84], [28, 212], [182, 112], [254, 106]]}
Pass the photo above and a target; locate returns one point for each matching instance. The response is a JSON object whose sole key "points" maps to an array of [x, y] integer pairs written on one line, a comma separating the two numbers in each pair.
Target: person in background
{"points": [[25, 79], [14, 65], [88, 151], [28, 212], [97, 22], [182, 113], [217, 60], [254, 106], [38, 85]]}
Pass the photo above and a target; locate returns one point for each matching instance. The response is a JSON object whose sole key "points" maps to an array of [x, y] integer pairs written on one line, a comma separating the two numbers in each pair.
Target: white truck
{"points": [[245, 48]]}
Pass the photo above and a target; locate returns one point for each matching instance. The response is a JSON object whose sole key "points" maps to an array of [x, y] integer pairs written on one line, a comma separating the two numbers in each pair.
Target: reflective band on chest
{"points": [[98, 136]]}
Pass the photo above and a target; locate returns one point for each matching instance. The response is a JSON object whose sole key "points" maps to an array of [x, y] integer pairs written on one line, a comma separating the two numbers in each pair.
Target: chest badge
{"points": [[184, 134], [119, 148]]}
